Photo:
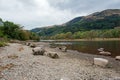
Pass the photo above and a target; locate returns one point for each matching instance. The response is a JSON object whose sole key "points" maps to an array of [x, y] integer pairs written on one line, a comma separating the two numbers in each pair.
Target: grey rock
{"points": [[53, 55], [38, 51]]}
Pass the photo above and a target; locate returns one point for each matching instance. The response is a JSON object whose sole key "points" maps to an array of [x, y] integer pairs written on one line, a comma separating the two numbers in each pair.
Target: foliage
{"points": [[2, 44], [104, 20], [110, 33], [11, 30]]}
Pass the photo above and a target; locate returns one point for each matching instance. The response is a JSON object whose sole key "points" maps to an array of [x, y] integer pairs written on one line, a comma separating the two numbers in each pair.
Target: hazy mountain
{"points": [[107, 19]]}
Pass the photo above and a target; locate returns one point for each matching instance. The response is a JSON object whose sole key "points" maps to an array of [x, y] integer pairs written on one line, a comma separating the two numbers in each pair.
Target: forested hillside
{"points": [[104, 21]]}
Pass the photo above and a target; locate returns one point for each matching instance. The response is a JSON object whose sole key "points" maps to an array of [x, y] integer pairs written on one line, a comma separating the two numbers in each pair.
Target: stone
{"points": [[32, 45], [117, 57], [101, 62], [65, 78], [63, 48], [101, 49], [105, 53], [38, 51], [53, 55], [28, 44]]}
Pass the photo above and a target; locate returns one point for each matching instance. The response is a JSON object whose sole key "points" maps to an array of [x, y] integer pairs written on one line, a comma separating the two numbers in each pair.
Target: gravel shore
{"points": [[18, 63]]}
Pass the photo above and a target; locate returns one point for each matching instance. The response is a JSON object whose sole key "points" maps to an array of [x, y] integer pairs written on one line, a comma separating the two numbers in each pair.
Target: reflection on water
{"points": [[92, 46]]}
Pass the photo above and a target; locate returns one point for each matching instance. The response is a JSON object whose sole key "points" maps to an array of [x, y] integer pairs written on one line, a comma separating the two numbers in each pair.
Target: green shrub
{"points": [[2, 44]]}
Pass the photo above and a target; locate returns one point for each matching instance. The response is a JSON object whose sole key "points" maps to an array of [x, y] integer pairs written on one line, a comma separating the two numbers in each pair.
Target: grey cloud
{"points": [[8, 5], [87, 6], [34, 13]]}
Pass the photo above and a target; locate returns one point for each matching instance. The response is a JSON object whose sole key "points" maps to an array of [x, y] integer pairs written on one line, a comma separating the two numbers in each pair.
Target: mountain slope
{"points": [[107, 19]]}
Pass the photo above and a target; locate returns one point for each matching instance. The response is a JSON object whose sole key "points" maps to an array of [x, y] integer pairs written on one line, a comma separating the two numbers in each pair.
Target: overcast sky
{"points": [[40, 13]]}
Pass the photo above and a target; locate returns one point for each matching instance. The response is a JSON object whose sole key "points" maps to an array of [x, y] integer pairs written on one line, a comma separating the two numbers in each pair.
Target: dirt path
{"points": [[18, 63]]}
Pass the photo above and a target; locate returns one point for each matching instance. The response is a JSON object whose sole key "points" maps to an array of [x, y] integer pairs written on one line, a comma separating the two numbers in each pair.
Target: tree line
{"points": [[109, 33]]}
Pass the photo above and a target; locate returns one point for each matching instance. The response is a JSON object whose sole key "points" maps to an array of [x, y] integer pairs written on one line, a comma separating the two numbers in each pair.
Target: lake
{"points": [[92, 46]]}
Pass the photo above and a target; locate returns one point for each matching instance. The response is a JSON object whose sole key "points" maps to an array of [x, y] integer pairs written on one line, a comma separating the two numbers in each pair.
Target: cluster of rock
{"points": [[40, 50], [102, 52], [101, 61]]}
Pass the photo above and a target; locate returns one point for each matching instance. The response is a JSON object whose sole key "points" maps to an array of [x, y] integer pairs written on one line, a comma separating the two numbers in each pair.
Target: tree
{"points": [[68, 35], [10, 29]]}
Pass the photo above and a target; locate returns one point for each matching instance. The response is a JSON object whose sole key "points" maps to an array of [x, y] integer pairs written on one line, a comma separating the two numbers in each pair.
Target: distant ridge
{"points": [[107, 19]]}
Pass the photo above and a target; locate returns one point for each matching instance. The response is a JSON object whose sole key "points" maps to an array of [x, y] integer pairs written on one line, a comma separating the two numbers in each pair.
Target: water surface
{"points": [[92, 46]]}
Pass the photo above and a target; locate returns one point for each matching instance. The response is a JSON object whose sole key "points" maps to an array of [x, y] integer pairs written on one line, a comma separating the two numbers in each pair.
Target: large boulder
{"points": [[105, 53], [101, 62], [53, 55], [117, 57], [38, 51]]}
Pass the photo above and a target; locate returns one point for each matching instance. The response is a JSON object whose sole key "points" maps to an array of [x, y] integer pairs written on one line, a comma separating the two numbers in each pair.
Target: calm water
{"points": [[92, 46]]}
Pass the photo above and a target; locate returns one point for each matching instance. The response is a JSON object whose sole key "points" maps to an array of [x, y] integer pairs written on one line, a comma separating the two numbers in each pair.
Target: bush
{"points": [[2, 44]]}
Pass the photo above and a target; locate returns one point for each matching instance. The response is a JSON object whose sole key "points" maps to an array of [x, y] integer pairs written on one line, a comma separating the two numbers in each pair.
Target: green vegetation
{"points": [[97, 25], [110, 33], [10, 30], [83, 25], [2, 44]]}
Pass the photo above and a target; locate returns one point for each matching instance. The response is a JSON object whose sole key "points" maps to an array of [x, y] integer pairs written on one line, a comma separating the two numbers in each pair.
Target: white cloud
{"points": [[39, 13]]}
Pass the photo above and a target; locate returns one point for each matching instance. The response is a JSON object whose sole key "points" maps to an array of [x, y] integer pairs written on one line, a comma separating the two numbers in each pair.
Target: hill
{"points": [[107, 19]]}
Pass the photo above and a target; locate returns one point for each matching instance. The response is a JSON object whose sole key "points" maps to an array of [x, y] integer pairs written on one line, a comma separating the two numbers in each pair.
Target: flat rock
{"points": [[100, 62], [101, 49], [117, 57], [105, 53]]}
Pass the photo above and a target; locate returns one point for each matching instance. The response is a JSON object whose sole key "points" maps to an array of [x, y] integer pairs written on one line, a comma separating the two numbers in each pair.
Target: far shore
{"points": [[94, 39]]}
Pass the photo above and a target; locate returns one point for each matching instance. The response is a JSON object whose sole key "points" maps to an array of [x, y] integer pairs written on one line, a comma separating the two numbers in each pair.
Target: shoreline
{"points": [[72, 64], [95, 39]]}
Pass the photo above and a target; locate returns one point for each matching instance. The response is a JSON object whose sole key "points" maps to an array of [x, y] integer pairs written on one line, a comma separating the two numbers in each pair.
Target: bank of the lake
{"points": [[93, 39], [72, 65]]}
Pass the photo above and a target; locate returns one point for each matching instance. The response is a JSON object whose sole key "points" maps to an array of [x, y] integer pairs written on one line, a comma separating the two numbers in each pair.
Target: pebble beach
{"points": [[18, 63]]}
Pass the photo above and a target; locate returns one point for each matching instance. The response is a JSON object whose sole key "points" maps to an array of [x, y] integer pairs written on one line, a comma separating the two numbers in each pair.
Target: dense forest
{"points": [[10, 30], [104, 24], [111, 33]]}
